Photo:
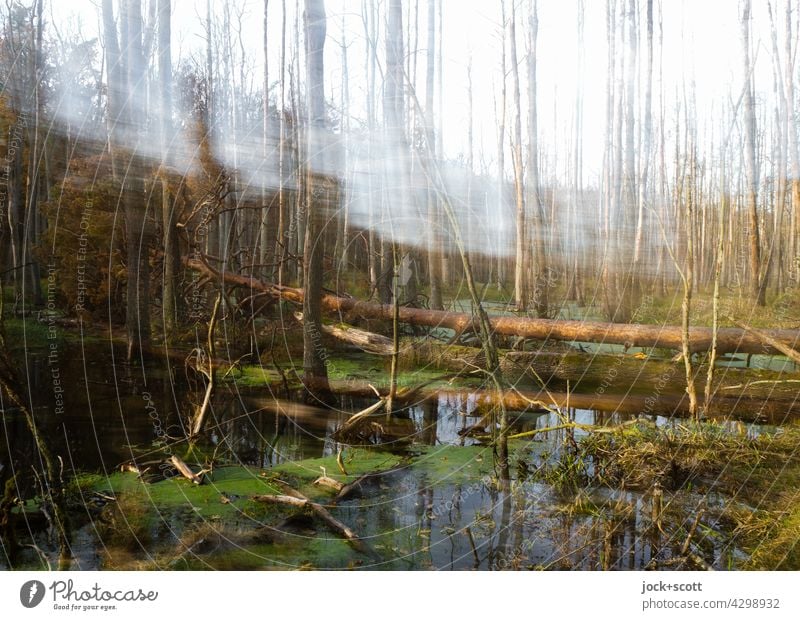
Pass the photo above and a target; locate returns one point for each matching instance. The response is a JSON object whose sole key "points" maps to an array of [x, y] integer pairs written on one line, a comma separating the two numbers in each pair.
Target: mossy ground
{"points": [[358, 367]]}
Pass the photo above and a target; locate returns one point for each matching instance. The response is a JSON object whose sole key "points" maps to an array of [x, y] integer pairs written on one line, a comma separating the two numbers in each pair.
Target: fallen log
{"points": [[349, 489], [364, 340], [344, 491], [657, 402], [298, 500], [729, 339]]}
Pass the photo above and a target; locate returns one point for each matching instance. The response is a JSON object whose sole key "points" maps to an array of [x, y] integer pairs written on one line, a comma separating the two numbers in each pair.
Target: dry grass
{"points": [[749, 486]]}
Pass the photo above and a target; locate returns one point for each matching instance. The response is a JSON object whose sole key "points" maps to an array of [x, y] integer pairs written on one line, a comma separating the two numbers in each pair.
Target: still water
{"points": [[442, 508]]}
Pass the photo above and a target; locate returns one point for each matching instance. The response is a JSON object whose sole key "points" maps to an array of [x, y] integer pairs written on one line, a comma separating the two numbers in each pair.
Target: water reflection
{"points": [[414, 518]]}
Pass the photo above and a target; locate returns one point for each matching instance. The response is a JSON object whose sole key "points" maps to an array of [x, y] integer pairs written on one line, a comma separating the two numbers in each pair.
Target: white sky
{"points": [[701, 39]]}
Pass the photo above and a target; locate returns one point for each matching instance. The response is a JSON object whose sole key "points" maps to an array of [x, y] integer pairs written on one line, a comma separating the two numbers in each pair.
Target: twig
{"points": [[760, 381], [468, 530], [692, 530], [200, 418], [584, 427]]}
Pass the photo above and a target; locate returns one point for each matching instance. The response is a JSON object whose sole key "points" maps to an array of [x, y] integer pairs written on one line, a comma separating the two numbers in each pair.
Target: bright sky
{"points": [[701, 41]]}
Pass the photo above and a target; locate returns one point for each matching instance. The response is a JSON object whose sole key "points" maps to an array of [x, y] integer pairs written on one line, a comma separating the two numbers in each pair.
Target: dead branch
{"points": [[298, 500], [186, 471]]}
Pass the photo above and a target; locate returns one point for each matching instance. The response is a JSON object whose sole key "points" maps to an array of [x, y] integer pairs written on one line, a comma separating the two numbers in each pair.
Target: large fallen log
{"points": [[364, 340], [729, 339], [660, 401]]}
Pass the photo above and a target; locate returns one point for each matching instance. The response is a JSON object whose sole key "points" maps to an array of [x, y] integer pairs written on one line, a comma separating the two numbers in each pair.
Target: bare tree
{"points": [[171, 309], [757, 288], [316, 197], [434, 258], [520, 288], [542, 280]]}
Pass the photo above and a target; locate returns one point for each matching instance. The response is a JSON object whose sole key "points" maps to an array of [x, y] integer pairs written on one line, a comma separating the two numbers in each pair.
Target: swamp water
{"points": [[434, 500]]}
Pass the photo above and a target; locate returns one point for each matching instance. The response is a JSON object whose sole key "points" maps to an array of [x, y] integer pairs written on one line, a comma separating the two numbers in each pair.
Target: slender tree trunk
{"points": [[30, 266], [434, 258], [282, 245], [794, 150], [645, 152], [138, 228], [171, 309], [520, 289], [501, 153], [542, 278], [316, 195], [758, 292], [266, 149]]}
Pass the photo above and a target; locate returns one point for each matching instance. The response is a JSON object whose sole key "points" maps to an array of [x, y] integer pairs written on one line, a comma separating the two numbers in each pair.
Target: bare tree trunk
{"points": [[501, 153], [370, 33], [758, 291], [575, 255], [661, 336], [434, 258], [632, 213], [608, 201], [342, 249], [395, 179], [171, 309], [520, 289], [781, 128], [718, 262], [282, 245], [644, 157], [30, 275], [266, 127], [316, 193], [541, 276], [688, 282], [794, 150]]}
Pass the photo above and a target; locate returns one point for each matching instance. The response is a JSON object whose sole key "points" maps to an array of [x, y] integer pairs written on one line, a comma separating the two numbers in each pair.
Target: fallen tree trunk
{"points": [[729, 339], [364, 340], [664, 401], [298, 500]]}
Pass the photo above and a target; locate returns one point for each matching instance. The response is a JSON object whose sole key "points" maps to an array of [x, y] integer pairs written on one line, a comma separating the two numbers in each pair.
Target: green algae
{"points": [[227, 492]]}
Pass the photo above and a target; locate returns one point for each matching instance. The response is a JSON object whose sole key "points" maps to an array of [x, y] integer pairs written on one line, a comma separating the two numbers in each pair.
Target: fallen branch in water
{"points": [[298, 500], [186, 471], [346, 429], [349, 489], [584, 427], [343, 491]]}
